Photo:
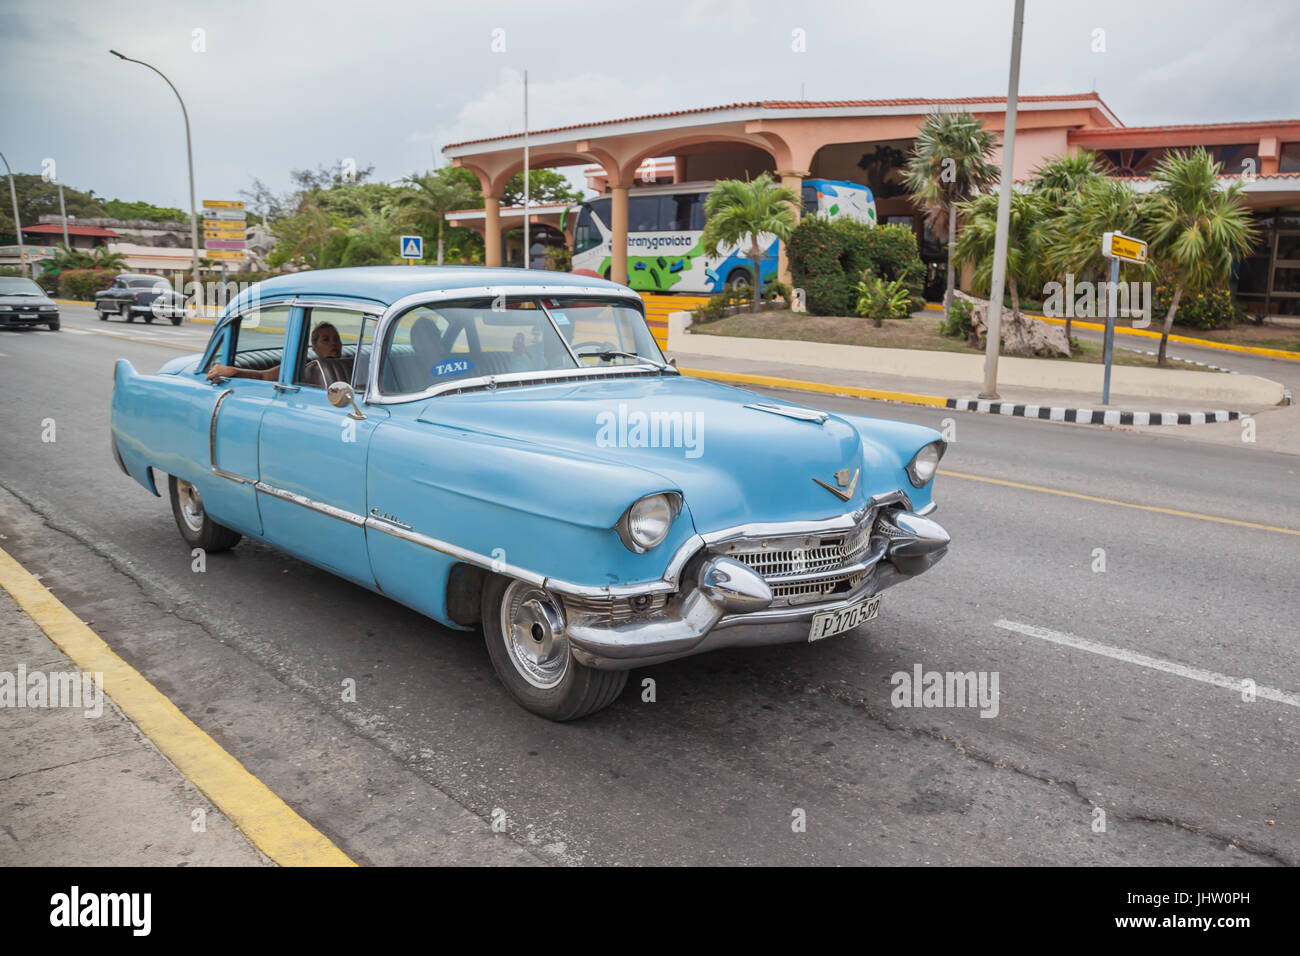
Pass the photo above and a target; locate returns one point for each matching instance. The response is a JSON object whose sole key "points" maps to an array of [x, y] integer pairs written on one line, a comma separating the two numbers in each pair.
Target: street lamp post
{"points": [[1004, 211], [189, 154], [18, 226]]}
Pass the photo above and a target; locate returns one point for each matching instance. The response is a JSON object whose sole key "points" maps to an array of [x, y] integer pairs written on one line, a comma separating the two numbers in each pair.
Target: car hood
{"points": [[25, 300], [733, 463]]}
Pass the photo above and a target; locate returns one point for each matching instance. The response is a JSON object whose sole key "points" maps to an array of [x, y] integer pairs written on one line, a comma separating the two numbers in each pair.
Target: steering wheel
{"points": [[601, 346]]}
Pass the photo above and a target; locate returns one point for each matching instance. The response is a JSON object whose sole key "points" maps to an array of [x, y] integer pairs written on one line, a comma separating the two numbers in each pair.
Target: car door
{"points": [[256, 342], [312, 455]]}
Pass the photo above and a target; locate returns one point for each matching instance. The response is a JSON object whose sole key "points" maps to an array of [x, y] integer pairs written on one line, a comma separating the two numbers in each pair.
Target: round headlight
{"points": [[645, 524], [924, 463]]}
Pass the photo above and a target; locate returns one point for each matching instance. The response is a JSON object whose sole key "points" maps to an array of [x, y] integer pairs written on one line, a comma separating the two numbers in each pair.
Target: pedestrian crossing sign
{"points": [[412, 247]]}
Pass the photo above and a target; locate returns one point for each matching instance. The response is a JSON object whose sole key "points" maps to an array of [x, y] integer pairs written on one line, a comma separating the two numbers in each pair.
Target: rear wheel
{"points": [[198, 530], [176, 319], [126, 312], [103, 316], [531, 655]]}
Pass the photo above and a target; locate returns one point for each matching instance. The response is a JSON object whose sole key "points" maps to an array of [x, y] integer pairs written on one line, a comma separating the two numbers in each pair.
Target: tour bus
{"points": [[664, 224]]}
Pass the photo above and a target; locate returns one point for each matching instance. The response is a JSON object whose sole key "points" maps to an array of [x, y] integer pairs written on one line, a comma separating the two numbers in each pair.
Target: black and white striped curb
{"points": [[1090, 416]]}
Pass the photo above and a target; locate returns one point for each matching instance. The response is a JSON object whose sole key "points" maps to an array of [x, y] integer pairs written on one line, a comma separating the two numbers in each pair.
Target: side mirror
{"points": [[341, 394]]}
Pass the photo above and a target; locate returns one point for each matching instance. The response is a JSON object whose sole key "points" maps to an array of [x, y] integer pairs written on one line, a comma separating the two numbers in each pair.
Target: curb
{"points": [[1051, 413], [1147, 333], [1091, 416], [256, 811]]}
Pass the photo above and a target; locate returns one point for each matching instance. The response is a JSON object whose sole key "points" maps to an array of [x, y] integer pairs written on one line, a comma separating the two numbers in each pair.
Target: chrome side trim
{"points": [[311, 503], [212, 443], [928, 509], [662, 586]]}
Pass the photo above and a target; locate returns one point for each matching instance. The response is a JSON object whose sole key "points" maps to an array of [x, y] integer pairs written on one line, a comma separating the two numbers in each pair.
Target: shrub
{"points": [[825, 255], [879, 300], [82, 284], [48, 281], [776, 289], [713, 309], [1198, 310], [957, 325]]}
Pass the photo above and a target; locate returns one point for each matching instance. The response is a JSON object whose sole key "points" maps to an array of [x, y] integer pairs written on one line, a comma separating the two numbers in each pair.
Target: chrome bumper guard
{"points": [[731, 604]]}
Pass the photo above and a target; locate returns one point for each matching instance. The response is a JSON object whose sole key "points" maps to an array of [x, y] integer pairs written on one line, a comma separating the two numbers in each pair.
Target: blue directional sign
{"points": [[412, 247]]}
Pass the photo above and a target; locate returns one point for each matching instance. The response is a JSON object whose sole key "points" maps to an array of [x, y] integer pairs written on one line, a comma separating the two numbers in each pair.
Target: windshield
{"points": [[10, 285], [431, 345]]}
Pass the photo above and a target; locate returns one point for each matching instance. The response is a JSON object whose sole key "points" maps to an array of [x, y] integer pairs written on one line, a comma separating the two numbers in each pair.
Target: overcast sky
{"points": [[290, 84]]}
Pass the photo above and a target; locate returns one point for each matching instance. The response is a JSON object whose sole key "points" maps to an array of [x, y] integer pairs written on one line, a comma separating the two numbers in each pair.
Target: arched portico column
{"points": [[492, 231], [618, 225], [791, 179]]}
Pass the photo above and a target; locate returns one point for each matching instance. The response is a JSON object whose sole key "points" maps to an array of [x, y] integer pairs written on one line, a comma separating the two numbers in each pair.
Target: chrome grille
{"points": [[774, 558]]}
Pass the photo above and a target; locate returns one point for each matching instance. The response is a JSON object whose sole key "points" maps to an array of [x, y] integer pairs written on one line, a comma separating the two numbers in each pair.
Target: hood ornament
{"points": [[844, 481]]}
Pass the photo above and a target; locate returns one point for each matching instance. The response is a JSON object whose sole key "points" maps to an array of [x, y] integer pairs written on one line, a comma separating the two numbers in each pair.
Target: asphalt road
{"points": [[1106, 678]]}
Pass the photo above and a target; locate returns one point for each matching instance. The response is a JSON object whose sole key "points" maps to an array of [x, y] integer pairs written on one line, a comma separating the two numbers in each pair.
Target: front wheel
{"points": [[531, 655], [176, 319], [198, 530], [54, 326], [103, 316]]}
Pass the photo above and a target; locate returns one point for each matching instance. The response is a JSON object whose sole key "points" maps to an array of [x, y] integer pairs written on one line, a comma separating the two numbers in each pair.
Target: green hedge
{"points": [[82, 284], [827, 258], [1197, 310]]}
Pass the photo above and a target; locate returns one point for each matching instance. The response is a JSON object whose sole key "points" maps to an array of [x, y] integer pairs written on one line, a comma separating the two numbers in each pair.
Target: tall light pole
{"points": [[189, 154], [18, 226], [1004, 211], [528, 249]]}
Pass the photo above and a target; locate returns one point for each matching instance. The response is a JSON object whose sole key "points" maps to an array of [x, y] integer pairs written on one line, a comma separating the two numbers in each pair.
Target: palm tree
{"points": [[736, 211], [432, 196], [1026, 237], [1196, 230], [97, 258], [949, 163], [1097, 205], [1060, 177]]}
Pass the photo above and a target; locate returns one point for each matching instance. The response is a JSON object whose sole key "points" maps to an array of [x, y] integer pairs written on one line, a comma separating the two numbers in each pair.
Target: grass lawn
{"points": [[919, 332]]}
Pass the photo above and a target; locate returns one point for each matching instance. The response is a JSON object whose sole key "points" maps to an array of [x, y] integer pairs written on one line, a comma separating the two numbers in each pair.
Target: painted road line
{"points": [[158, 342], [1121, 504], [1239, 684], [265, 819], [848, 391]]}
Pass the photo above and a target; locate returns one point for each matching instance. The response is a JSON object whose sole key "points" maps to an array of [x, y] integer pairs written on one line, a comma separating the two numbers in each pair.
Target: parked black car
{"points": [[23, 304], [147, 296]]}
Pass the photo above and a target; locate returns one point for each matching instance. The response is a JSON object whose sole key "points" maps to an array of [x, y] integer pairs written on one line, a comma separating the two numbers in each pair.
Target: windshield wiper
{"points": [[619, 353]]}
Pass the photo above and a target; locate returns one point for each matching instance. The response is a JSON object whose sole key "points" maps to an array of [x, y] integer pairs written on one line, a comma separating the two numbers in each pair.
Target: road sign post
{"points": [[411, 248], [224, 232], [1116, 247]]}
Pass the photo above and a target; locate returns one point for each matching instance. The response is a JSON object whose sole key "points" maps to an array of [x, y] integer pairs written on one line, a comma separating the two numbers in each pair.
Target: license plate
{"points": [[829, 623]]}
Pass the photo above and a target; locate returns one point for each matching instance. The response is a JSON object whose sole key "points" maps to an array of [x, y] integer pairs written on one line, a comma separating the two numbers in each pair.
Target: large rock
{"points": [[1020, 334]]}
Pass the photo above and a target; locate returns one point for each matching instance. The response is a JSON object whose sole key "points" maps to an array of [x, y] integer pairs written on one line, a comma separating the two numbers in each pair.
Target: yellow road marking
{"points": [[1122, 504], [851, 391], [269, 822]]}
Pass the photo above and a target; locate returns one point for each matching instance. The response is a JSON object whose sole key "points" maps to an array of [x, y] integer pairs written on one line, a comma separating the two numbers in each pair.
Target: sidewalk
{"points": [[925, 387], [82, 786]]}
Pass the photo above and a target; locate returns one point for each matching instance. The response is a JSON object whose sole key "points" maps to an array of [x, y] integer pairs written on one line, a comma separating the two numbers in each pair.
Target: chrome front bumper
{"points": [[728, 603]]}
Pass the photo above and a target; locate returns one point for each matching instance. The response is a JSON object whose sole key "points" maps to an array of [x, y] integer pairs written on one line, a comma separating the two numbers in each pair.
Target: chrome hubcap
{"points": [[191, 505], [534, 635]]}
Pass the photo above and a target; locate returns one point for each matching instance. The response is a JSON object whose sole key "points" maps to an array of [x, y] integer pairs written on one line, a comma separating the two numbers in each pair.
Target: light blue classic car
{"points": [[508, 449]]}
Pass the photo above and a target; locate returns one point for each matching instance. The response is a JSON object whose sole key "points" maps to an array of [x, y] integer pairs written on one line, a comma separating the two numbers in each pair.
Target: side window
{"points": [[334, 338], [259, 339], [643, 214], [697, 211], [585, 234]]}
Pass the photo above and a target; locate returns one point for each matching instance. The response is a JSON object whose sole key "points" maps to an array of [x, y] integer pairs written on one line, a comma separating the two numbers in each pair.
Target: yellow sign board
{"points": [[223, 204], [225, 254], [231, 230], [1116, 245]]}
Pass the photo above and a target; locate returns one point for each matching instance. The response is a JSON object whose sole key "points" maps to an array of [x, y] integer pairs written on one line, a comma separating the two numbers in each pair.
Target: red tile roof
{"points": [[798, 104], [1183, 127], [56, 229]]}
